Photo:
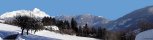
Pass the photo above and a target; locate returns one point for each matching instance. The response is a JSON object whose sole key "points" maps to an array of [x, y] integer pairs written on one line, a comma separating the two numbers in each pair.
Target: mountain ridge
{"points": [[130, 20]]}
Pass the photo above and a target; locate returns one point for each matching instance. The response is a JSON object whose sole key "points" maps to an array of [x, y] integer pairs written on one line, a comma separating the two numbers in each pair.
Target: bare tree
{"points": [[28, 23]]}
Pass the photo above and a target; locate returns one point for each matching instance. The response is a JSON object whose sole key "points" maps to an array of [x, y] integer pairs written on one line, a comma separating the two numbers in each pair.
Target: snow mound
{"points": [[54, 28], [146, 35], [1, 38], [35, 12]]}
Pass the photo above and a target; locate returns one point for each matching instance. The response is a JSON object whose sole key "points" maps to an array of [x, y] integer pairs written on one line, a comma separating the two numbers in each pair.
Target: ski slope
{"points": [[6, 30]]}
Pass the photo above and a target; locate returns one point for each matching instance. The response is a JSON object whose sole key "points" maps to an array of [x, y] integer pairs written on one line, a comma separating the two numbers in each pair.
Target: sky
{"points": [[110, 9]]}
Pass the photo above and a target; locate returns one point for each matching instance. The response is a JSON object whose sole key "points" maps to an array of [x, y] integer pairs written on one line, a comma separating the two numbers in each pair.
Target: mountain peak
{"points": [[86, 14], [36, 9], [35, 13]]}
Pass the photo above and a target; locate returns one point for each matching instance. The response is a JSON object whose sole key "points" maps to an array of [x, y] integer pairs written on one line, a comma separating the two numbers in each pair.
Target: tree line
{"points": [[72, 28]]}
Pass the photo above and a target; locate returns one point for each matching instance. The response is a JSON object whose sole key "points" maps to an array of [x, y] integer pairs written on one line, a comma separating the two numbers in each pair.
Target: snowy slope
{"points": [[6, 30], [1, 38], [146, 35], [7, 27], [62, 36]]}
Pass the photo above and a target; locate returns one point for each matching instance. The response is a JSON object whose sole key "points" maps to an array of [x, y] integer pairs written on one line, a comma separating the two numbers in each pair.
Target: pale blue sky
{"points": [[111, 9]]}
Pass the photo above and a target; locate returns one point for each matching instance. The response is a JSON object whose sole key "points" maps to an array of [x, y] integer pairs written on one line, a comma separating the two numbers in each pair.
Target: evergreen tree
{"points": [[101, 33], [60, 24], [53, 21], [86, 30], [79, 31], [123, 36], [47, 21], [74, 25], [93, 32], [67, 25]]}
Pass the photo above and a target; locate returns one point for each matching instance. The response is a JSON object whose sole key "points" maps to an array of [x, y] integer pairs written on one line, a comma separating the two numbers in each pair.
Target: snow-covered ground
{"points": [[1, 38], [6, 30], [146, 35]]}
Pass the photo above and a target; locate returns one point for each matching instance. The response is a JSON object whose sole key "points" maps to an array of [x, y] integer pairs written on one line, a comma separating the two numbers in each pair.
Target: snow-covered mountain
{"points": [[131, 20], [91, 20], [9, 16], [83, 19], [35, 13], [6, 30]]}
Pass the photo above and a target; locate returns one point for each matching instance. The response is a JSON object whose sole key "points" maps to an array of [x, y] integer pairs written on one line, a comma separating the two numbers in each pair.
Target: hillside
{"points": [[131, 21], [6, 30]]}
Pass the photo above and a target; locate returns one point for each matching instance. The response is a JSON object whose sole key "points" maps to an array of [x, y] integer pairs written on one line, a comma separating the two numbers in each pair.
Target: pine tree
{"points": [[103, 33], [86, 30], [93, 32], [74, 25], [53, 21], [79, 31], [99, 33], [48, 21]]}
